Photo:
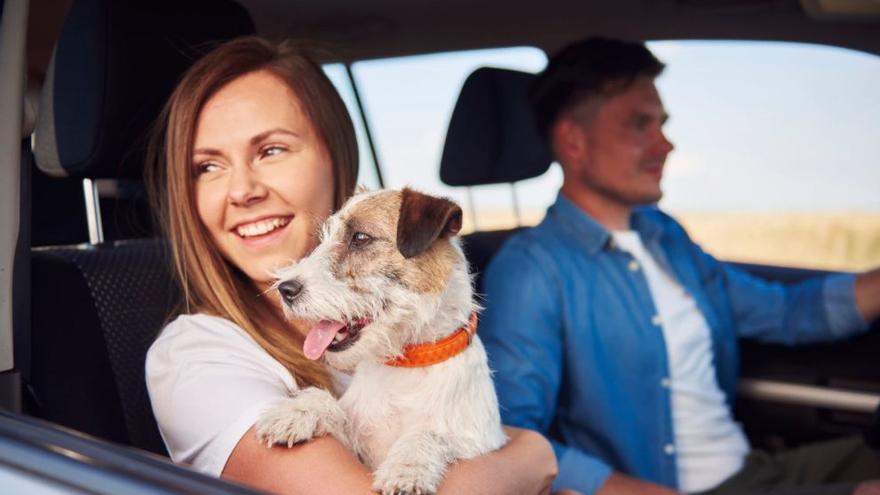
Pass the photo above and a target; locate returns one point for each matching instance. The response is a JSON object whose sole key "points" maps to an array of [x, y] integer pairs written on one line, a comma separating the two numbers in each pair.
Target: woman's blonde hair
{"points": [[211, 284]]}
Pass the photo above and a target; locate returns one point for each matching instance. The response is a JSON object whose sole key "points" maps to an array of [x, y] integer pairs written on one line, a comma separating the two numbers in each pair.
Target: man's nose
{"points": [[245, 187], [663, 144]]}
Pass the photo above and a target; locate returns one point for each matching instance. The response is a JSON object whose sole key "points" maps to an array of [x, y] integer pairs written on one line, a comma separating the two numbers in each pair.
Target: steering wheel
{"points": [[872, 434]]}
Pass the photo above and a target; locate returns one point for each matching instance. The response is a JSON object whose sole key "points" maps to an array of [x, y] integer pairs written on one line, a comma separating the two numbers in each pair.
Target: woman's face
{"points": [[263, 177]]}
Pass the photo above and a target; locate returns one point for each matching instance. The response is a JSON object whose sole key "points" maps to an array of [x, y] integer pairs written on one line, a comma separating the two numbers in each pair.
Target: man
{"points": [[611, 330]]}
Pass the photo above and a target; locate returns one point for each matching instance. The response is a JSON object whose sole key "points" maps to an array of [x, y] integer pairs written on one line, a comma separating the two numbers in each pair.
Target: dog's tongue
{"points": [[319, 337]]}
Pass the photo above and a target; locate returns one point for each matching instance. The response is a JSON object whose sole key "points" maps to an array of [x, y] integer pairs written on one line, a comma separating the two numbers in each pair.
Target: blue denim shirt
{"points": [[569, 332]]}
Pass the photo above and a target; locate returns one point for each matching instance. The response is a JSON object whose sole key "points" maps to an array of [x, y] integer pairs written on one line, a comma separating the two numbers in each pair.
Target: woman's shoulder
{"points": [[199, 339], [191, 331], [208, 380], [201, 325]]}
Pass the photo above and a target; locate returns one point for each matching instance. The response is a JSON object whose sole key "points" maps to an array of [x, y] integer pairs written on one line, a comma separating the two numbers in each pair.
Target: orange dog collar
{"points": [[420, 355]]}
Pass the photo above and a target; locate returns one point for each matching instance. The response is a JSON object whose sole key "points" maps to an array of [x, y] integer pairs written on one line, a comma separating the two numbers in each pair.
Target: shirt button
{"points": [[669, 449], [665, 382], [633, 266], [656, 321]]}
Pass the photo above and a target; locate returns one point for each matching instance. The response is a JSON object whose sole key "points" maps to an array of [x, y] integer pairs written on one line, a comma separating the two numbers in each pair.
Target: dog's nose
{"points": [[290, 290]]}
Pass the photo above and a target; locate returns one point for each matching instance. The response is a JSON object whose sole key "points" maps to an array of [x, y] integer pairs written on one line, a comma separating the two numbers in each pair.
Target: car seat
{"points": [[96, 307], [492, 139]]}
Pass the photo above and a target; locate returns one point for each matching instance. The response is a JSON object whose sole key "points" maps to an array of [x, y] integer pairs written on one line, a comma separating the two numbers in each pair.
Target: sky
{"points": [[758, 126]]}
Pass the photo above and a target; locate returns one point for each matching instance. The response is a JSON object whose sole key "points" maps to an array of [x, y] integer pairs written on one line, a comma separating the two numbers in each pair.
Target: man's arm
{"points": [[818, 309], [867, 289], [522, 331]]}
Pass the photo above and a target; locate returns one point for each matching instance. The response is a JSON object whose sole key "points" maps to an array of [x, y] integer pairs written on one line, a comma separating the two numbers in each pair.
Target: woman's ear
{"points": [[424, 219]]}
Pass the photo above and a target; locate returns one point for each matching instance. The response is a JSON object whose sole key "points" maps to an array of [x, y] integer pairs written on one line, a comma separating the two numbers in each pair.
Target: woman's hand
{"points": [[618, 484], [525, 465]]}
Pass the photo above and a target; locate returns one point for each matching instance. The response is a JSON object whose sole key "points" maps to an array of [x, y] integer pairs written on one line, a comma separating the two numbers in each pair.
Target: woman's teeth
{"points": [[262, 227]]}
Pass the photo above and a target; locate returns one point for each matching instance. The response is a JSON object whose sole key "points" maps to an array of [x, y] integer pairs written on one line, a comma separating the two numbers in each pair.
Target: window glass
{"points": [[409, 102], [777, 149], [366, 166], [776, 145]]}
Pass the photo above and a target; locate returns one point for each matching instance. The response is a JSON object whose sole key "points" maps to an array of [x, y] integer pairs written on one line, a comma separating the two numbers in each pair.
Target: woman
{"points": [[256, 150]]}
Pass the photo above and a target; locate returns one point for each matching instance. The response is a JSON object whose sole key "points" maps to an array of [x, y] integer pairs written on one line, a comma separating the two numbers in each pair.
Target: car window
{"points": [[409, 101], [366, 167], [775, 159], [19, 481], [776, 151]]}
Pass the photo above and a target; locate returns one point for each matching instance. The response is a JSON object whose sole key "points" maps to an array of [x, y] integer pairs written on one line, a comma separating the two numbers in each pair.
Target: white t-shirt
{"points": [[208, 382], [710, 446]]}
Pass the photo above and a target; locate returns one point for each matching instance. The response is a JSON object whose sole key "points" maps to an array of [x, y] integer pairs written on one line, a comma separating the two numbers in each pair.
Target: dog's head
{"points": [[388, 272]]}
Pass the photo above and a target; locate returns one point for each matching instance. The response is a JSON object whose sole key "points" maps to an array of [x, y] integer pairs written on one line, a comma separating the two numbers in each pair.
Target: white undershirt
{"points": [[710, 446], [208, 382]]}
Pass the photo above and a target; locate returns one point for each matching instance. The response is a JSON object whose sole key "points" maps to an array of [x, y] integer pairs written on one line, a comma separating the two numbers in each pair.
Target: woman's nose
{"points": [[245, 187]]}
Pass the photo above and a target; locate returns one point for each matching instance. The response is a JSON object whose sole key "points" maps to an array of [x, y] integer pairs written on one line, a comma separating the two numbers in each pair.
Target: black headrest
{"points": [[115, 64], [492, 137]]}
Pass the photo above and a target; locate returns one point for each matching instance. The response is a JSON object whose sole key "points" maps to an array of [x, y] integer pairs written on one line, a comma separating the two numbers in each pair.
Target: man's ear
{"points": [[568, 140], [423, 220]]}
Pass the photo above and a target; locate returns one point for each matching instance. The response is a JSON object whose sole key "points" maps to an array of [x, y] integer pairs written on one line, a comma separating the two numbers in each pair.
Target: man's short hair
{"points": [[592, 67]]}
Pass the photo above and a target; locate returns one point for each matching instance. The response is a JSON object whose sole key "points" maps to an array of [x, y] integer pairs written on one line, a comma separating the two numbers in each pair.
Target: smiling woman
{"points": [[236, 134], [257, 162], [255, 151]]}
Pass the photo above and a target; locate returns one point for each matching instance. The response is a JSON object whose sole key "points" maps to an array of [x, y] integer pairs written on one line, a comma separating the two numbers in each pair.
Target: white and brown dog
{"points": [[390, 291]]}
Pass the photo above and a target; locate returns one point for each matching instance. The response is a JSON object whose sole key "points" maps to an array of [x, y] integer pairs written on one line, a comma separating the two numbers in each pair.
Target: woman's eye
{"points": [[206, 167], [360, 239], [271, 151]]}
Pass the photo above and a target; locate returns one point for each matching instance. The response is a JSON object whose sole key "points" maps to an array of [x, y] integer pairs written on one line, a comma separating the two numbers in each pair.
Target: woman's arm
{"points": [[323, 465], [525, 465], [619, 484]]}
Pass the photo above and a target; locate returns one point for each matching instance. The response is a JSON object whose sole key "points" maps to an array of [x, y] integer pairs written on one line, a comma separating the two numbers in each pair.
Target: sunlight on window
{"points": [[409, 102], [775, 158], [776, 151]]}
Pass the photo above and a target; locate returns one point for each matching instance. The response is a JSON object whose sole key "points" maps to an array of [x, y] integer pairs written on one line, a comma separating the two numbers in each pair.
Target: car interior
{"points": [[90, 284]]}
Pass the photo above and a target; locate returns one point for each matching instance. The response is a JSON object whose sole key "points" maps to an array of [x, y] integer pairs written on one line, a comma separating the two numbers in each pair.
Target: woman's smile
{"points": [[263, 231]]}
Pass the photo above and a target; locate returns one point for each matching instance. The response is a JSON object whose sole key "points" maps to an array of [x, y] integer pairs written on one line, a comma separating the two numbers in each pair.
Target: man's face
{"points": [[622, 146]]}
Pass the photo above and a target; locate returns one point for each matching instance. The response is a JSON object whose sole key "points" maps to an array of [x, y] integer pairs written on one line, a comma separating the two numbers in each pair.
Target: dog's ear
{"points": [[423, 220]]}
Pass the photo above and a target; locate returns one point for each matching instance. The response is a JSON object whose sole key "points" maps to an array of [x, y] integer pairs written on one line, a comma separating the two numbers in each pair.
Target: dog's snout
{"points": [[290, 290]]}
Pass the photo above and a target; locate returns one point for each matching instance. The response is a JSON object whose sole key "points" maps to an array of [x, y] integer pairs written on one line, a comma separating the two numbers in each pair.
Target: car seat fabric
{"points": [[111, 72], [95, 309], [105, 306], [492, 139], [114, 66]]}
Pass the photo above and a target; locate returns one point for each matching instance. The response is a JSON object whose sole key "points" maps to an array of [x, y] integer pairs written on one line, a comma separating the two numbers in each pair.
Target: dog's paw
{"points": [[310, 413], [406, 479]]}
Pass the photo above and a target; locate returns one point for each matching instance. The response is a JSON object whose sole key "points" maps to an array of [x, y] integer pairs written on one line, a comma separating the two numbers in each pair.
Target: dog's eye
{"points": [[359, 239]]}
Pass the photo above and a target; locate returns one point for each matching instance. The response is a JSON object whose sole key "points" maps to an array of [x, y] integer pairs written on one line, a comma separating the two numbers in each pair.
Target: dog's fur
{"points": [[410, 281]]}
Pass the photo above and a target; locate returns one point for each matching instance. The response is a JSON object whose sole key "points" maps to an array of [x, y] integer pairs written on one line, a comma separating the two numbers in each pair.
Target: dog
{"points": [[389, 288]]}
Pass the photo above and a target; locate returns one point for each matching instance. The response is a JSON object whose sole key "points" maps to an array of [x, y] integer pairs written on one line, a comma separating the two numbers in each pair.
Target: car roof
{"points": [[360, 29], [352, 30]]}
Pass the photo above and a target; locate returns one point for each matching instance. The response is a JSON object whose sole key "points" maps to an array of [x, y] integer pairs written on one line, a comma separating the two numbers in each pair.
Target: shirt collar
{"points": [[647, 222], [594, 236]]}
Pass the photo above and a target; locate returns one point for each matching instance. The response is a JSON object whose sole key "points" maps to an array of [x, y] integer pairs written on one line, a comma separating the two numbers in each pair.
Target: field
{"points": [[828, 241]]}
